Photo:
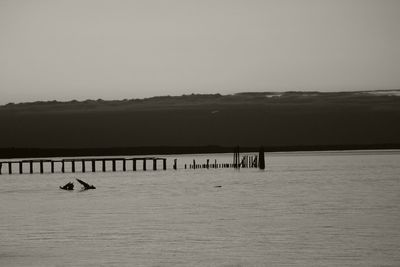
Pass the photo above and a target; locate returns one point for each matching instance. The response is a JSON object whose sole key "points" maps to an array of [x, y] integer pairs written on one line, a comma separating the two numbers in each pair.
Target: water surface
{"points": [[307, 209]]}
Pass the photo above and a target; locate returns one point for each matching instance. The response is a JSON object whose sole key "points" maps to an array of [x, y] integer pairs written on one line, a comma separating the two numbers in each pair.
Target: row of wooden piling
{"points": [[73, 162], [212, 166], [247, 161]]}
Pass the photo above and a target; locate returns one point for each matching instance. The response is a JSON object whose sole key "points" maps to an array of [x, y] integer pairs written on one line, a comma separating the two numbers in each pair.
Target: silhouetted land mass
{"points": [[202, 124]]}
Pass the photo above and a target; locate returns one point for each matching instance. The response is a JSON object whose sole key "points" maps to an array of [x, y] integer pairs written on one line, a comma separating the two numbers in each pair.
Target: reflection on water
{"points": [[329, 209]]}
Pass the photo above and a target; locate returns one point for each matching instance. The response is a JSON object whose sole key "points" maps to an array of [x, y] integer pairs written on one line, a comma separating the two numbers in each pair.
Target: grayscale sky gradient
{"points": [[114, 49]]}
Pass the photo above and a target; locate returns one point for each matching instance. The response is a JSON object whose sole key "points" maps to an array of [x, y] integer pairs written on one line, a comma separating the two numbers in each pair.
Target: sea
{"points": [[333, 208]]}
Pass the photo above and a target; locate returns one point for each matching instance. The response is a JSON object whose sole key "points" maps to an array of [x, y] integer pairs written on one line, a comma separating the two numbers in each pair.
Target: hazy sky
{"points": [[114, 49]]}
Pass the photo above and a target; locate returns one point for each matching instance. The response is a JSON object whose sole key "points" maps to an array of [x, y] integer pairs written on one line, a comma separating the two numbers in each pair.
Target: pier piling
{"points": [[154, 164], [104, 165], [114, 167], [236, 157], [261, 159]]}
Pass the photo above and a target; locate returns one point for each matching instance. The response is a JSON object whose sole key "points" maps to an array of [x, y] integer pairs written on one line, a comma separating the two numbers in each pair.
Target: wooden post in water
{"points": [[20, 167], [114, 165], [144, 164], [124, 165], [41, 166], [62, 166], [154, 164], [175, 164], [93, 165], [1, 165], [134, 164], [236, 157], [52, 166], [104, 165], [9, 167], [194, 164], [164, 164], [83, 166], [261, 159], [73, 165]]}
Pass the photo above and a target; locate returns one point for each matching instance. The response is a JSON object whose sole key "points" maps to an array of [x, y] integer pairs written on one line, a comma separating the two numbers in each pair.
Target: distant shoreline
{"points": [[6, 153], [213, 123]]}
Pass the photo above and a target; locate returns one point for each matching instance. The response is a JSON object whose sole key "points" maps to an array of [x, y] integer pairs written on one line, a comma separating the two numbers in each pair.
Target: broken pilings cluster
{"points": [[249, 161]]}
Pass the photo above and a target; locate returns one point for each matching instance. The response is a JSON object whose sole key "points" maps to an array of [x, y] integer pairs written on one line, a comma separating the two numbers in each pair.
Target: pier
{"points": [[72, 163], [83, 165]]}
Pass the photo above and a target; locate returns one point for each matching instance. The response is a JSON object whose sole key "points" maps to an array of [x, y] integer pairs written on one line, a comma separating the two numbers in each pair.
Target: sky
{"points": [[117, 49]]}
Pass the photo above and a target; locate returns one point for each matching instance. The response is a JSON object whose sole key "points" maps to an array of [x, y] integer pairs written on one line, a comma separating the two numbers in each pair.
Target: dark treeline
{"points": [[6, 153], [191, 123]]}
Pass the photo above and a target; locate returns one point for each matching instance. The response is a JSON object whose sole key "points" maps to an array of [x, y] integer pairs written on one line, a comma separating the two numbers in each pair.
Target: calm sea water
{"points": [[307, 209]]}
